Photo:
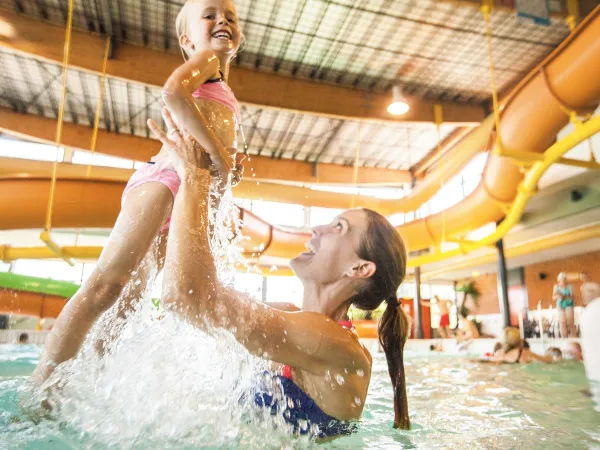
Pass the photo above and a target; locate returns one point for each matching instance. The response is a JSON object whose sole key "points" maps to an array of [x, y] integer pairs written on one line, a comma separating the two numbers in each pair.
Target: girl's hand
{"points": [[185, 153]]}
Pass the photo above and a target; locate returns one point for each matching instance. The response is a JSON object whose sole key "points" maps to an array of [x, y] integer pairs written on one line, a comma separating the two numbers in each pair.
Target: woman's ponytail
{"points": [[382, 245], [393, 333]]}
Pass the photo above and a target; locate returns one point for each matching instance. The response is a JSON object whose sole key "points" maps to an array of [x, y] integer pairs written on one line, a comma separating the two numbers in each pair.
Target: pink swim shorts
{"points": [[161, 171]]}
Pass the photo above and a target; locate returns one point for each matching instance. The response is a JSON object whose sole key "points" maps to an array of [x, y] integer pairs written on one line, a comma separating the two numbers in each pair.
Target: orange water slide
{"points": [[30, 303], [530, 119]]}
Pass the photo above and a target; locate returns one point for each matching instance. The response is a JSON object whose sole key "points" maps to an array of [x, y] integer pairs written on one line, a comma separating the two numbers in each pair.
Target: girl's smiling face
{"points": [[211, 25]]}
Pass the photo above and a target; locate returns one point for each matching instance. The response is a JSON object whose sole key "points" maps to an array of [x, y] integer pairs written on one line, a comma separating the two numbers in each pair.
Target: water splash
{"points": [[144, 377]]}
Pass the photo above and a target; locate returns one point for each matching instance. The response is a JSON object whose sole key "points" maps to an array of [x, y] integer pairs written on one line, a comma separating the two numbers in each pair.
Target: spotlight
{"points": [[398, 105], [576, 195]]}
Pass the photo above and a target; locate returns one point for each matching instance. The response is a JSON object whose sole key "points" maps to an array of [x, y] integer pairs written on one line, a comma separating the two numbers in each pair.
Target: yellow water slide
{"points": [[565, 83]]}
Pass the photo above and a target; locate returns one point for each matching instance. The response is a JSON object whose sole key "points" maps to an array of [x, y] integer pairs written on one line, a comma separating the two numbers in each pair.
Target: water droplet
{"points": [[138, 282], [340, 379], [357, 401], [290, 403], [360, 373], [327, 376], [191, 291], [346, 371]]}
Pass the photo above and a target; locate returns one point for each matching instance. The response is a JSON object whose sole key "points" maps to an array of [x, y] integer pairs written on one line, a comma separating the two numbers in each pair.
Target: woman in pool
{"points": [[200, 99], [563, 296], [359, 259], [514, 349]]}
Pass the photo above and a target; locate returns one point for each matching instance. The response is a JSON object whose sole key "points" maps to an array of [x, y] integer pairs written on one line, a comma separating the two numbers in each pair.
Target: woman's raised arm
{"points": [[305, 340]]}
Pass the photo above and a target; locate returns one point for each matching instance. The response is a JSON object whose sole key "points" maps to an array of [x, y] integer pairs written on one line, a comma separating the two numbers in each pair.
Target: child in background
{"points": [[202, 103]]}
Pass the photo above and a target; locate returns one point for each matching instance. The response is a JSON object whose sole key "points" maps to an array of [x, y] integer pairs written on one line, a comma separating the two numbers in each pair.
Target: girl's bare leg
{"points": [[145, 275], [144, 212]]}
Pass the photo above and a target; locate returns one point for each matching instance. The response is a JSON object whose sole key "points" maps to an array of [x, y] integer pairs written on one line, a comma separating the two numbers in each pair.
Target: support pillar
{"points": [[264, 289], [503, 284], [417, 305]]}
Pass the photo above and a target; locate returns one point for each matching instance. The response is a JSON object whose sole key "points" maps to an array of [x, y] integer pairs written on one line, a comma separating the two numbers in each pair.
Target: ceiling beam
{"points": [[152, 67], [434, 155], [256, 168], [507, 7]]}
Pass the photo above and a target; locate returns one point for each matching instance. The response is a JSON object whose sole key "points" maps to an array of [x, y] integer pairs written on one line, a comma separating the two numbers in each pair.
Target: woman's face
{"points": [[331, 253], [213, 25]]}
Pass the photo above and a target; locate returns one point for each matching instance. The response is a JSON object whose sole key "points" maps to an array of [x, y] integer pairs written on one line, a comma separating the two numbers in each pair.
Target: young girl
{"points": [[202, 103]]}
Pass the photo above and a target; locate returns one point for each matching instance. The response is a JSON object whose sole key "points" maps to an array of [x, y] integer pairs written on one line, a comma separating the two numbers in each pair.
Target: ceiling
{"points": [[436, 50]]}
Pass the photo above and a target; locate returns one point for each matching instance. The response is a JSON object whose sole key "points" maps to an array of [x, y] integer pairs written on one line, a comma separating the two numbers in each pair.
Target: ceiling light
{"points": [[399, 105]]}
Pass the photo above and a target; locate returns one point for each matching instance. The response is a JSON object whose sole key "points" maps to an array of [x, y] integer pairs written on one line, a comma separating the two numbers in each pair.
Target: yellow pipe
{"points": [[523, 248], [526, 190], [92, 253], [56, 249]]}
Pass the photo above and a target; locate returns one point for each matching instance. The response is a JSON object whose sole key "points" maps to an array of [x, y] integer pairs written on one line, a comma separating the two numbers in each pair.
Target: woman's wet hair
{"points": [[382, 245]]}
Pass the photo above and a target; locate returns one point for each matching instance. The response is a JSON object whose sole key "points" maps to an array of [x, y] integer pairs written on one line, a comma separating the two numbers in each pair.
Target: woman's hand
{"points": [[185, 153]]}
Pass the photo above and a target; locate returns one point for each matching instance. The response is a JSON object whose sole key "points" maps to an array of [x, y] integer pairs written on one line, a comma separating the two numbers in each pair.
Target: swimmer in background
{"points": [[203, 104], [444, 309], [573, 350], [515, 350]]}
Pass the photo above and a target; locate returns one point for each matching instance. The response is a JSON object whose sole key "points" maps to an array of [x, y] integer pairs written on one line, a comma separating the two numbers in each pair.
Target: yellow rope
{"points": [[356, 156], [486, 9], [96, 122], [61, 112], [98, 106]]}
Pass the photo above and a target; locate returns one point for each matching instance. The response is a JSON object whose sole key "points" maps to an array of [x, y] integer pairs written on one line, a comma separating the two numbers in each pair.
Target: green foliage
{"points": [[355, 313], [468, 289]]}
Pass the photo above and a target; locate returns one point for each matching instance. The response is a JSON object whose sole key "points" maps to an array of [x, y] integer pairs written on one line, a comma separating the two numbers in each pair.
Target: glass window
{"points": [[396, 219], [323, 216], [285, 214], [249, 283], [285, 289], [98, 159], [56, 270], [29, 150], [378, 192]]}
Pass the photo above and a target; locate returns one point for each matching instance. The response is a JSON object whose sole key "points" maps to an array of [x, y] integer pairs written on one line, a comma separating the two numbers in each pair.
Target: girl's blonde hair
{"points": [[181, 26]]}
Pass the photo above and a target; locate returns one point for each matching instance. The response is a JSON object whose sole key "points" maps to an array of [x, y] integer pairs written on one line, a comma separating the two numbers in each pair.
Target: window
{"points": [[98, 159], [285, 289], [29, 150], [249, 283], [323, 216], [284, 214]]}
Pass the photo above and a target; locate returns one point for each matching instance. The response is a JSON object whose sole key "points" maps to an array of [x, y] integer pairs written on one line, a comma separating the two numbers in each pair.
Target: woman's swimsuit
{"points": [[567, 297], [162, 171], [299, 410]]}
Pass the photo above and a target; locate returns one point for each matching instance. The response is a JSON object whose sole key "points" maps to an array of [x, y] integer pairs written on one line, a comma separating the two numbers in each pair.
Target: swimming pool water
{"points": [[454, 403]]}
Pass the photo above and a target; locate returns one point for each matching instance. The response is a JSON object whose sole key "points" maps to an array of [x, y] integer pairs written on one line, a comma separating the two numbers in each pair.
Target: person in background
{"points": [[573, 350], [444, 309], [23, 338], [590, 290], [554, 353], [563, 296], [516, 350]]}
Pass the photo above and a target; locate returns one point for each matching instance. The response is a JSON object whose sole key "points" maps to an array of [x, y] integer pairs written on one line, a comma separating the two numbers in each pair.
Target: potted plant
{"points": [[469, 291]]}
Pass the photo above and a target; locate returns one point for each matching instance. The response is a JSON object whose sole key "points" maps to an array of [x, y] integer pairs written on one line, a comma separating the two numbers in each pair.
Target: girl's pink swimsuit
{"points": [[162, 171]]}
